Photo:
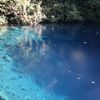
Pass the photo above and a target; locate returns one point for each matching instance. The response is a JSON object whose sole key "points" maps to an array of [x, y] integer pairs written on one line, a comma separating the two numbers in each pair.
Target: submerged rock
{"points": [[28, 98], [3, 96]]}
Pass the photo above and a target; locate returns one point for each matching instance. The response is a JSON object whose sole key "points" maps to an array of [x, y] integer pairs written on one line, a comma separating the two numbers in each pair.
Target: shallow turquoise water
{"points": [[50, 62]]}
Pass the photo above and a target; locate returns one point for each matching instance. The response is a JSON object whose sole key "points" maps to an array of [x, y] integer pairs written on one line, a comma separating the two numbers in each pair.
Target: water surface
{"points": [[61, 59]]}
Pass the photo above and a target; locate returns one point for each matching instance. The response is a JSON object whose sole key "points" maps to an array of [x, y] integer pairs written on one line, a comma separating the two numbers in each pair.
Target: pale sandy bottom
{"points": [[16, 86]]}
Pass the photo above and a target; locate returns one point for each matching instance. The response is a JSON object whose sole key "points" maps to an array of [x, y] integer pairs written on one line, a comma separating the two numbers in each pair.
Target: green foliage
{"points": [[73, 10], [29, 12], [55, 13], [72, 13], [91, 10], [3, 20], [21, 12]]}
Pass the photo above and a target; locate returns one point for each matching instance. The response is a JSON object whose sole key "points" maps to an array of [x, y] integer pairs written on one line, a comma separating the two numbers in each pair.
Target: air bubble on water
{"points": [[97, 32], [84, 42], [93, 82], [78, 78], [84, 31], [69, 71]]}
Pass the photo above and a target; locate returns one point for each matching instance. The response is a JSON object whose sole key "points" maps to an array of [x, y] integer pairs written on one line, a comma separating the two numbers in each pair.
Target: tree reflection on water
{"points": [[30, 47]]}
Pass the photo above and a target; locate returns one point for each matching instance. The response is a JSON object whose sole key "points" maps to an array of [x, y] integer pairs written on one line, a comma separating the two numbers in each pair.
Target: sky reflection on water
{"points": [[61, 59]]}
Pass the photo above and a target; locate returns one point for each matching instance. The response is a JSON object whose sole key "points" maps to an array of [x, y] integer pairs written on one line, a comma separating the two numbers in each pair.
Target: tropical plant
{"points": [[3, 20]]}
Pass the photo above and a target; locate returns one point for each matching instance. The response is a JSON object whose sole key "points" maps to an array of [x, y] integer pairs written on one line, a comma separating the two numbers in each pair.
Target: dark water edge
{"points": [[58, 23]]}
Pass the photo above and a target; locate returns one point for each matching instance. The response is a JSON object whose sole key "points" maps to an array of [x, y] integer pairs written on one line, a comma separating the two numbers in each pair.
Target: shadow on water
{"points": [[61, 59]]}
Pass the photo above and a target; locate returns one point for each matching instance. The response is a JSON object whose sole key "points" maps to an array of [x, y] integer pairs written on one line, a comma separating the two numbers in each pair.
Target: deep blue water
{"points": [[63, 59]]}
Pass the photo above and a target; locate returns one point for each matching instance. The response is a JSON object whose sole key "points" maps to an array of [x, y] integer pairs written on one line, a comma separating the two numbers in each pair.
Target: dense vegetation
{"points": [[32, 12]]}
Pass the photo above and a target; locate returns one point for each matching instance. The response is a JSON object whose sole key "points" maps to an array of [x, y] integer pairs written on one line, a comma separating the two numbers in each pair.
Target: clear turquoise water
{"points": [[50, 62]]}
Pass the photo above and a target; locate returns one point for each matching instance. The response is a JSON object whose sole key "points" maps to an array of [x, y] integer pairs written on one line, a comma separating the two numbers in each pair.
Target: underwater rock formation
{"points": [[3, 97]]}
